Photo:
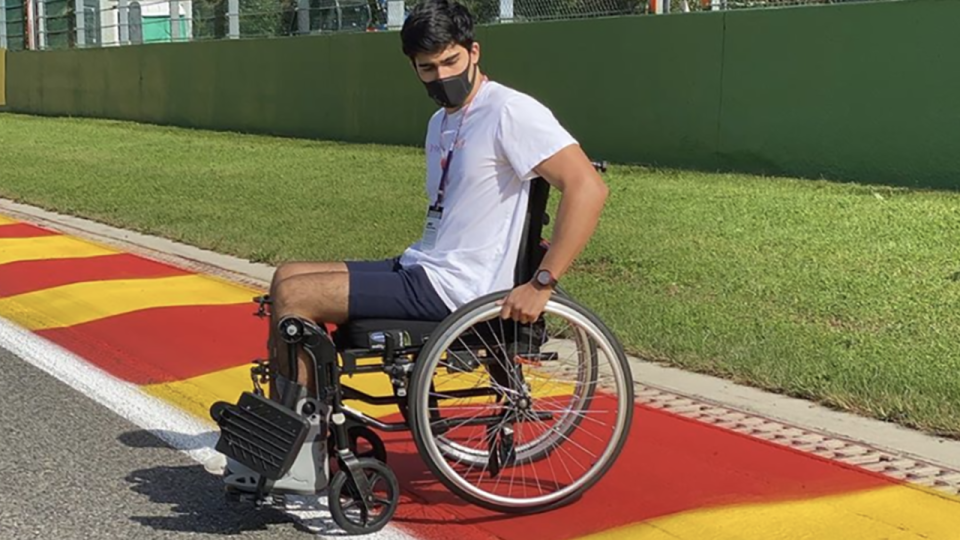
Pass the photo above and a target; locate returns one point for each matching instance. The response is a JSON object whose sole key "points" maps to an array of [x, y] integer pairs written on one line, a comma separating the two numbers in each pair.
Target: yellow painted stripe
{"points": [[892, 513], [7, 221], [48, 247], [78, 303], [197, 394]]}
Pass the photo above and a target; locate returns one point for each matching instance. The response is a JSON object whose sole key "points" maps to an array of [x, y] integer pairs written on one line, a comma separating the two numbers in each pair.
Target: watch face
{"points": [[543, 277]]}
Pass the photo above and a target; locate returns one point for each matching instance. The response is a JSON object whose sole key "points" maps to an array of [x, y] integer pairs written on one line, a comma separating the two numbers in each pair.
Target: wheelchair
{"points": [[523, 428]]}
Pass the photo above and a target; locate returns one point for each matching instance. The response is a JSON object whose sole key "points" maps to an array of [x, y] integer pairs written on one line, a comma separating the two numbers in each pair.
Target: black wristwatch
{"points": [[543, 279]]}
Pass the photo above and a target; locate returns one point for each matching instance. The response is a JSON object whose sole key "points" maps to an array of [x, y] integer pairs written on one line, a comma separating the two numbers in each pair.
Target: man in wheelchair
{"points": [[489, 151], [483, 146]]}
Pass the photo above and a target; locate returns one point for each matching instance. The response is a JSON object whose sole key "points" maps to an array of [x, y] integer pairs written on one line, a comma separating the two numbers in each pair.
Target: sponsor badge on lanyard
{"points": [[431, 229]]}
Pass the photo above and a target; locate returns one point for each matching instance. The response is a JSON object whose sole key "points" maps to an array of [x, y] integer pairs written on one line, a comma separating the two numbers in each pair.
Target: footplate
{"points": [[259, 433]]}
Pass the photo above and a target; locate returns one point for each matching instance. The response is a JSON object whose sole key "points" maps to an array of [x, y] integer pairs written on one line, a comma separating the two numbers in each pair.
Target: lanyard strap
{"points": [[445, 164]]}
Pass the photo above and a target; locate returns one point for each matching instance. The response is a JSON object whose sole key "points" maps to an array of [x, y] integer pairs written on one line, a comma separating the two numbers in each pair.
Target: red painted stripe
{"points": [[168, 344], [669, 465], [27, 276], [24, 230], [435, 522]]}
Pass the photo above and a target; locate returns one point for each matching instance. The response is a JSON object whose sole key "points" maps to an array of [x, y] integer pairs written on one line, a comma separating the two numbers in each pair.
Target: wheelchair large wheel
{"points": [[515, 447]]}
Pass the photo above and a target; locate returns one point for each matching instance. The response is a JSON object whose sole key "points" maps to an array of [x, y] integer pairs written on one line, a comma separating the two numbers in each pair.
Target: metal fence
{"points": [[56, 24]]}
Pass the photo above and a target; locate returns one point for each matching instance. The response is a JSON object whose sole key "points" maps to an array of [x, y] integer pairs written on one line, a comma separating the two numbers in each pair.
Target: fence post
{"points": [[303, 16], [3, 24], [395, 13], [506, 11], [80, 22], [174, 20], [233, 16], [29, 36], [123, 22], [188, 27], [41, 25]]}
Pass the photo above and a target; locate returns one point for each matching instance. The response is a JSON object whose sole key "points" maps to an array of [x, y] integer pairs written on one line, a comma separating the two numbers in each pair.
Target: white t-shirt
{"points": [[504, 135]]}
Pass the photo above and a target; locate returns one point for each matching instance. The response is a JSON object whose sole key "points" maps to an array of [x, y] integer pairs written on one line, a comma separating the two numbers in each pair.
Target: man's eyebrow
{"points": [[453, 57]]}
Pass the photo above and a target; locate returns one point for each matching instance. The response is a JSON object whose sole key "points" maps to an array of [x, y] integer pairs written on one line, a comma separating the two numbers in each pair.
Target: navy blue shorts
{"points": [[385, 290]]}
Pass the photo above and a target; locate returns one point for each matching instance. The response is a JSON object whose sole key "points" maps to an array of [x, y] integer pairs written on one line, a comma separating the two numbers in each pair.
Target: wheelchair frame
{"points": [[268, 436]]}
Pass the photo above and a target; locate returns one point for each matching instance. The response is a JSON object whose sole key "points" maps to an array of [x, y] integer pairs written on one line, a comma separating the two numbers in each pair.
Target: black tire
{"points": [[342, 485], [424, 369]]}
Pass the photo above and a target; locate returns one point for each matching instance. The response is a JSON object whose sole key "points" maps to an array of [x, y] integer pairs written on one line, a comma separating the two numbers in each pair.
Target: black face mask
{"points": [[452, 91]]}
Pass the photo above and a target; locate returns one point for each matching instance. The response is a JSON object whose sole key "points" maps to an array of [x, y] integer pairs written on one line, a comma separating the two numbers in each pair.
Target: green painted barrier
{"points": [[311, 87], [865, 92], [361, 88], [3, 77], [632, 89], [861, 92]]}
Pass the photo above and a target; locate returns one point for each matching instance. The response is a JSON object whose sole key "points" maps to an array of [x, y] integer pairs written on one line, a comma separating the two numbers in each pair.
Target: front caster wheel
{"points": [[364, 511]]}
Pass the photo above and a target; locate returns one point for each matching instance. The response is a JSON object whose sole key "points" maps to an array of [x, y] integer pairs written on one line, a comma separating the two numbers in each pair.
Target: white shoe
{"points": [[216, 465]]}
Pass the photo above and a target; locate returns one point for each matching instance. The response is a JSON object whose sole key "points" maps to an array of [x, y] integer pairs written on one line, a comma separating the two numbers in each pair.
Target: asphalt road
{"points": [[71, 468]]}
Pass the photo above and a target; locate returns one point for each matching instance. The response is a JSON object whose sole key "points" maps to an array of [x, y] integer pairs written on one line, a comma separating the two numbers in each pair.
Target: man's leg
{"points": [[318, 291], [283, 272], [321, 297], [312, 291]]}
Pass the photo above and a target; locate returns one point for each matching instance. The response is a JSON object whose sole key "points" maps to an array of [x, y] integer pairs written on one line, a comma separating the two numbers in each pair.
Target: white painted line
{"points": [[176, 427]]}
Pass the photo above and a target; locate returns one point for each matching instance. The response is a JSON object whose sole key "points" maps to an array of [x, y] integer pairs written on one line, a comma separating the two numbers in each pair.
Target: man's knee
{"points": [[291, 269], [289, 287], [284, 271], [312, 295]]}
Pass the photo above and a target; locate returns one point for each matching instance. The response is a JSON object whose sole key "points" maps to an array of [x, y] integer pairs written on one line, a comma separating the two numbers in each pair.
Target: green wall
{"points": [[868, 92], [632, 88], [3, 77], [863, 92], [310, 87]]}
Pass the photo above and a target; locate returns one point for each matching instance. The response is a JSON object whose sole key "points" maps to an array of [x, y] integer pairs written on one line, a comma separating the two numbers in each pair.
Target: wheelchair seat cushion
{"points": [[367, 333]]}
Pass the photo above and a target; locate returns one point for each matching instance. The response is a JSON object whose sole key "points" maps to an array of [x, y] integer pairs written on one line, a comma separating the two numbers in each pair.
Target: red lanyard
{"points": [[445, 163]]}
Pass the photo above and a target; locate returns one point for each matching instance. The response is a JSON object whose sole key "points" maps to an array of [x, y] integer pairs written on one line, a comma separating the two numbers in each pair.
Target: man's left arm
{"points": [[583, 195]]}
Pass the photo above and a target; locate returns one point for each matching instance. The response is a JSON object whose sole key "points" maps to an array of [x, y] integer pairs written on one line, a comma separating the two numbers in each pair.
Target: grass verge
{"points": [[841, 293]]}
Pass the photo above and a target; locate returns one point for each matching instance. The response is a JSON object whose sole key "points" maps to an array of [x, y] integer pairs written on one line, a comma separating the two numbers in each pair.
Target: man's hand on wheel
{"points": [[525, 303]]}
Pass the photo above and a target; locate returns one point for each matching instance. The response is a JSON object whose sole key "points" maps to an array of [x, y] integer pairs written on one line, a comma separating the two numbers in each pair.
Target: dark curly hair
{"points": [[433, 25]]}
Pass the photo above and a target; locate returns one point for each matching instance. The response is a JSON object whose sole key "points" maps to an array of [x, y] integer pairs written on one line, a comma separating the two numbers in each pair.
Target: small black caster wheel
{"points": [[373, 447], [382, 498]]}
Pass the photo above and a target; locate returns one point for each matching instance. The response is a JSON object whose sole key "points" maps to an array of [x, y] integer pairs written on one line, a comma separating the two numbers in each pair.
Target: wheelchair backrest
{"points": [[532, 244]]}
